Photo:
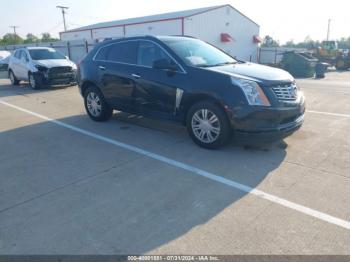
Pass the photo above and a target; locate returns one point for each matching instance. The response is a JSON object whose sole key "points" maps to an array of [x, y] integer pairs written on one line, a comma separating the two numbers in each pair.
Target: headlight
{"points": [[41, 68], [252, 91]]}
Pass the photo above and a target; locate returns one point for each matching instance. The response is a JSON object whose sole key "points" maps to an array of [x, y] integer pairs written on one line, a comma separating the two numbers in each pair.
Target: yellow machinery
{"points": [[329, 53]]}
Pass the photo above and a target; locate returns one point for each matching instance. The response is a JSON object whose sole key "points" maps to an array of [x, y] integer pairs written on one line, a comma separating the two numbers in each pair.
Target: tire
{"points": [[14, 80], [96, 105], [207, 125], [341, 64], [34, 82]]}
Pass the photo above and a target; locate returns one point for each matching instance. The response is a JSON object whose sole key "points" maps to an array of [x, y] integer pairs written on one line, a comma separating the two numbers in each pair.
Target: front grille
{"points": [[286, 92], [61, 69]]}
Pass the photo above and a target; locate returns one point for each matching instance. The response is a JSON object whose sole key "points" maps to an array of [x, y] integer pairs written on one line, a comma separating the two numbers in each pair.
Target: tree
{"points": [[11, 39], [46, 37], [290, 43], [344, 43], [269, 42], [30, 38]]}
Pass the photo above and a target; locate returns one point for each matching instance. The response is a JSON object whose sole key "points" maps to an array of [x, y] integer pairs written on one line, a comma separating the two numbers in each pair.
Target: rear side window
{"points": [[150, 52], [124, 52]]}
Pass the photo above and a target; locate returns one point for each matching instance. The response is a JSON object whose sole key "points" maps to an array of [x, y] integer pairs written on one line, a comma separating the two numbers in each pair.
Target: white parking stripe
{"points": [[326, 113], [283, 202]]}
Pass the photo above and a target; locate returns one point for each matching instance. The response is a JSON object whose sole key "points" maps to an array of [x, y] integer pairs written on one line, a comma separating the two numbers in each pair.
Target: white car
{"points": [[4, 60], [41, 66]]}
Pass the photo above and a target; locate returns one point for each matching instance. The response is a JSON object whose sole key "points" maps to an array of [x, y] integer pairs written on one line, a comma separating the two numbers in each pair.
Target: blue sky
{"points": [[282, 19]]}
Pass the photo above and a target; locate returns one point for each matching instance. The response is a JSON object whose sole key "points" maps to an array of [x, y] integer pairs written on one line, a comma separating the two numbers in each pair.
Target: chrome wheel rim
{"points": [[93, 103], [32, 81], [206, 126]]}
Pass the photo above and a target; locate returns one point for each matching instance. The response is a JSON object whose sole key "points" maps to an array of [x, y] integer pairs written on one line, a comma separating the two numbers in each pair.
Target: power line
{"points": [[63, 9]]}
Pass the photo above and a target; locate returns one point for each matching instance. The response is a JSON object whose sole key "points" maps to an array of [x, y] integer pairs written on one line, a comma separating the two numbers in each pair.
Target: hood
{"points": [[254, 71], [55, 63]]}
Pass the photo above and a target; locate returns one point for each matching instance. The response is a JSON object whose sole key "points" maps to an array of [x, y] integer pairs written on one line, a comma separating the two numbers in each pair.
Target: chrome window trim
{"points": [[179, 94], [183, 71]]}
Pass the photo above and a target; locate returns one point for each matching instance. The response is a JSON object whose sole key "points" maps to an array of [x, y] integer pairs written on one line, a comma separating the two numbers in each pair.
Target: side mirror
{"points": [[165, 64], [67, 57]]}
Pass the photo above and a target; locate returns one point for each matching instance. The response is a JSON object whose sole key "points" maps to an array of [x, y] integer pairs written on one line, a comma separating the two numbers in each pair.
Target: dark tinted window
{"points": [[45, 54], [150, 52], [124, 52], [102, 53]]}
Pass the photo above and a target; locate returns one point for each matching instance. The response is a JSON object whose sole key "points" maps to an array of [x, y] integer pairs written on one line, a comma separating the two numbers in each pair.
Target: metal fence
{"points": [[274, 55], [75, 50]]}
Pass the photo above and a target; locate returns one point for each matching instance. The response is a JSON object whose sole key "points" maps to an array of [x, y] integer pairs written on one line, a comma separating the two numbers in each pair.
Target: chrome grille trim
{"points": [[286, 92]]}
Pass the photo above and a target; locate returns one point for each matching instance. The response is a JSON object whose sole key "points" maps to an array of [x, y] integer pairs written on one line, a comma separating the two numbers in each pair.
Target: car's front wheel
{"points": [[34, 82], [208, 125], [13, 79], [96, 105]]}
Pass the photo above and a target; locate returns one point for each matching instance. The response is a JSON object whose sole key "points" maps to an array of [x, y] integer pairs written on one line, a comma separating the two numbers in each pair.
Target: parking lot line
{"points": [[327, 113], [213, 177]]}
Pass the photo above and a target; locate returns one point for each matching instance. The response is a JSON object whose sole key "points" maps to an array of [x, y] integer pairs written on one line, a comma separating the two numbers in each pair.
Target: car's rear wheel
{"points": [[208, 125], [34, 82], [13, 79], [96, 105]]}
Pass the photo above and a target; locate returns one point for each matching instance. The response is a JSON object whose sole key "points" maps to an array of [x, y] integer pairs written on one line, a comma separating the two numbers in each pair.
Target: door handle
{"points": [[136, 76], [102, 68]]}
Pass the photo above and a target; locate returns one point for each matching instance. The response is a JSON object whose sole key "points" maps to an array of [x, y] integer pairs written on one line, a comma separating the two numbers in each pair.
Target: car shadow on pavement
{"points": [[62, 192], [23, 89]]}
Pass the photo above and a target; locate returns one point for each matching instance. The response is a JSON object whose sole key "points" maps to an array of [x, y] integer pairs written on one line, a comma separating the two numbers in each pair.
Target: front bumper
{"points": [[53, 79], [269, 124]]}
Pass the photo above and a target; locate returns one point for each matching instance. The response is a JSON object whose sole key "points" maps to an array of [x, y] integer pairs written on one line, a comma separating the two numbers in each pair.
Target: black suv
{"points": [[189, 81]]}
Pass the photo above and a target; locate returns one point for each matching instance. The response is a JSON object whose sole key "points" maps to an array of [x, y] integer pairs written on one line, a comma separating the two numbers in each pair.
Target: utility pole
{"points": [[14, 31], [63, 9], [329, 29]]}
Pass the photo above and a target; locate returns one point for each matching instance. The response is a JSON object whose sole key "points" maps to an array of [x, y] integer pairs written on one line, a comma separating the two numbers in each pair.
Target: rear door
{"points": [[157, 89], [116, 64], [15, 60]]}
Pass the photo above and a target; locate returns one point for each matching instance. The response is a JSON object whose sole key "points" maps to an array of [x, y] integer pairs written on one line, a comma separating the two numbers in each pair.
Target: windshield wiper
{"points": [[225, 63], [218, 64]]}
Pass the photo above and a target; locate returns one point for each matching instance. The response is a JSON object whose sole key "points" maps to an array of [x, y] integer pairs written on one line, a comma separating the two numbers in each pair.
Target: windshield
{"points": [[45, 54], [198, 53]]}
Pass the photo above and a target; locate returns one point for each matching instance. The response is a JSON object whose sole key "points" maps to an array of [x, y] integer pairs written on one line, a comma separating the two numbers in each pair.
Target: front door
{"points": [[156, 89], [23, 66]]}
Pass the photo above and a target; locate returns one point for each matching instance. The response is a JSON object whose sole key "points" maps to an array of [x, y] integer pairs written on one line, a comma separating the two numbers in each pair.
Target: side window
{"points": [[149, 52], [17, 54], [23, 55], [102, 53], [124, 52]]}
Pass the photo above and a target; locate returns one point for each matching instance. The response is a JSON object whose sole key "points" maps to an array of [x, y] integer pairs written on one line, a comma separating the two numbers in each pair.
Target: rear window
{"points": [[124, 52]]}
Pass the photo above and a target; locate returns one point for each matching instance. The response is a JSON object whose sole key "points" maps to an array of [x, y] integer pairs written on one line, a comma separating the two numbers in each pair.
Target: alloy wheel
{"points": [[206, 126], [94, 105]]}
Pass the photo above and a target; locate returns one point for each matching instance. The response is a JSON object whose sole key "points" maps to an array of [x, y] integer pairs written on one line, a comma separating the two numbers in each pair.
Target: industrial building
{"points": [[223, 26]]}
